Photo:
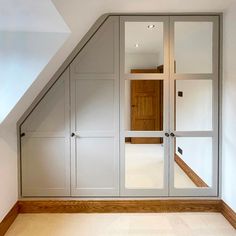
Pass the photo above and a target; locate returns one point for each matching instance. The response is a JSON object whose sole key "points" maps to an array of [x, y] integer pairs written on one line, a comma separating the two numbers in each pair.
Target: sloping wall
{"points": [[229, 109]]}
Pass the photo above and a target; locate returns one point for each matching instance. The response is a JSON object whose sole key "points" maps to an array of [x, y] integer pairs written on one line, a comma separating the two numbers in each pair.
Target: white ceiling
{"points": [[79, 15]]}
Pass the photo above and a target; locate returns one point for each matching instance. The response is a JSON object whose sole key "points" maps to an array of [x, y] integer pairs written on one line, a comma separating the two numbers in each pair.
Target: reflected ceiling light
{"points": [[136, 45], [151, 26]]}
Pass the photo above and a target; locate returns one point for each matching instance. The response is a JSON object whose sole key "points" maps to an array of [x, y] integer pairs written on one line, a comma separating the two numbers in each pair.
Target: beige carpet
{"points": [[168, 224]]}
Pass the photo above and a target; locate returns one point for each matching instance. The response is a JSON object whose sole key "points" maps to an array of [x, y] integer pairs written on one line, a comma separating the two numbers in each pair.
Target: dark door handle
{"points": [[167, 135], [172, 134], [22, 135], [72, 134]]}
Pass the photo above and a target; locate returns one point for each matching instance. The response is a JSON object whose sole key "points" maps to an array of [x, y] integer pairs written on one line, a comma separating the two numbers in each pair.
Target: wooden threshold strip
{"points": [[116, 206], [119, 206], [189, 172]]}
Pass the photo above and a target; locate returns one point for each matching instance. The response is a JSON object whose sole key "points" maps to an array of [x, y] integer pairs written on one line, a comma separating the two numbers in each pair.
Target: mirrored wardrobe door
{"points": [[194, 105], [144, 71]]}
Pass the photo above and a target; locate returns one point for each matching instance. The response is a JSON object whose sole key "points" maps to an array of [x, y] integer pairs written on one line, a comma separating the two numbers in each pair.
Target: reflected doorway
{"points": [[146, 107]]}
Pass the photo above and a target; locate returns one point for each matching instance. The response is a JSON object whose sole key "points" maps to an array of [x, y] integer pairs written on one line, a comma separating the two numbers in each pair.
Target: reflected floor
{"points": [[145, 167]]}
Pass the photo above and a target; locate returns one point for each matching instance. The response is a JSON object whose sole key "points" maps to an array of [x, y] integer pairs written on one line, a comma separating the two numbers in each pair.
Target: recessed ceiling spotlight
{"points": [[136, 45], [151, 26]]}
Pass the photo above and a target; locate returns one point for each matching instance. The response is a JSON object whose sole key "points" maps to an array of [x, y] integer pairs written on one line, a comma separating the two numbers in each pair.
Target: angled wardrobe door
{"points": [[45, 147], [95, 114]]}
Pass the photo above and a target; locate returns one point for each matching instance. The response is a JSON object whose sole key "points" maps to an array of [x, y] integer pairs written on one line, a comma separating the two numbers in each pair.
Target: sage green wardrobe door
{"points": [[95, 114], [45, 147]]}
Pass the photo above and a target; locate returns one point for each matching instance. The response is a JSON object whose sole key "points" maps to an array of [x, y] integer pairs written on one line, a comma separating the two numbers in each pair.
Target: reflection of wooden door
{"points": [[146, 108]]}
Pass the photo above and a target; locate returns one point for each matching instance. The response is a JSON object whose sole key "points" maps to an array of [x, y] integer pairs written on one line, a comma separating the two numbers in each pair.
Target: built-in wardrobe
{"points": [[134, 113]]}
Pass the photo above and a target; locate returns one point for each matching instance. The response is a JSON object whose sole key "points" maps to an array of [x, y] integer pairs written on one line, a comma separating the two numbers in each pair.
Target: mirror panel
{"points": [[193, 105], [193, 46], [144, 47], [144, 105], [144, 163], [193, 162]]}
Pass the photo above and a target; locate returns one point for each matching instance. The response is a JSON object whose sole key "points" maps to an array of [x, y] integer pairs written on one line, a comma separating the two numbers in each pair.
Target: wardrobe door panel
{"points": [[95, 105], [95, 114], [43, 166], [95, 161], [45, 144], [49, 114]]}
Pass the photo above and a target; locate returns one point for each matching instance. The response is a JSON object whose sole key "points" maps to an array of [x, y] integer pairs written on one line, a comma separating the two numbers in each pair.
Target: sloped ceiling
{"points": [[31, 32], [79, 15]]}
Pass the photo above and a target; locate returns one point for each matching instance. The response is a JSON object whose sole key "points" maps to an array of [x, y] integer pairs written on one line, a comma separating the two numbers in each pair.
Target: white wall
{"points": [[229, 109], [8, 169]]}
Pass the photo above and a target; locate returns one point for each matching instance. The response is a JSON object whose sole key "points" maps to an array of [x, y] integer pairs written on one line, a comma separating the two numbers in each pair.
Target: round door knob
{"points": [[72, 134], [167, 135], [172, 134]]}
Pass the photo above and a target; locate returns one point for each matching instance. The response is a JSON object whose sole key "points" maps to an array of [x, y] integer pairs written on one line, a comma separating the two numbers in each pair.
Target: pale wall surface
{"points": [[23, 55], [8, 170], [229, 110]]}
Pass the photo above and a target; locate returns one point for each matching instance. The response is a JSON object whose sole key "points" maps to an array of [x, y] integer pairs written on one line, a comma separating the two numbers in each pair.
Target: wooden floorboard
{"points": [[8, 219]]}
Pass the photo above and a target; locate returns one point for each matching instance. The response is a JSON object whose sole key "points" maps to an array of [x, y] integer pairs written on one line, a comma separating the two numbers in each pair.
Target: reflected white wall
{"points": [[193, 47], [142, 61], [197, 154], [194, 113], [194, 108]]}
